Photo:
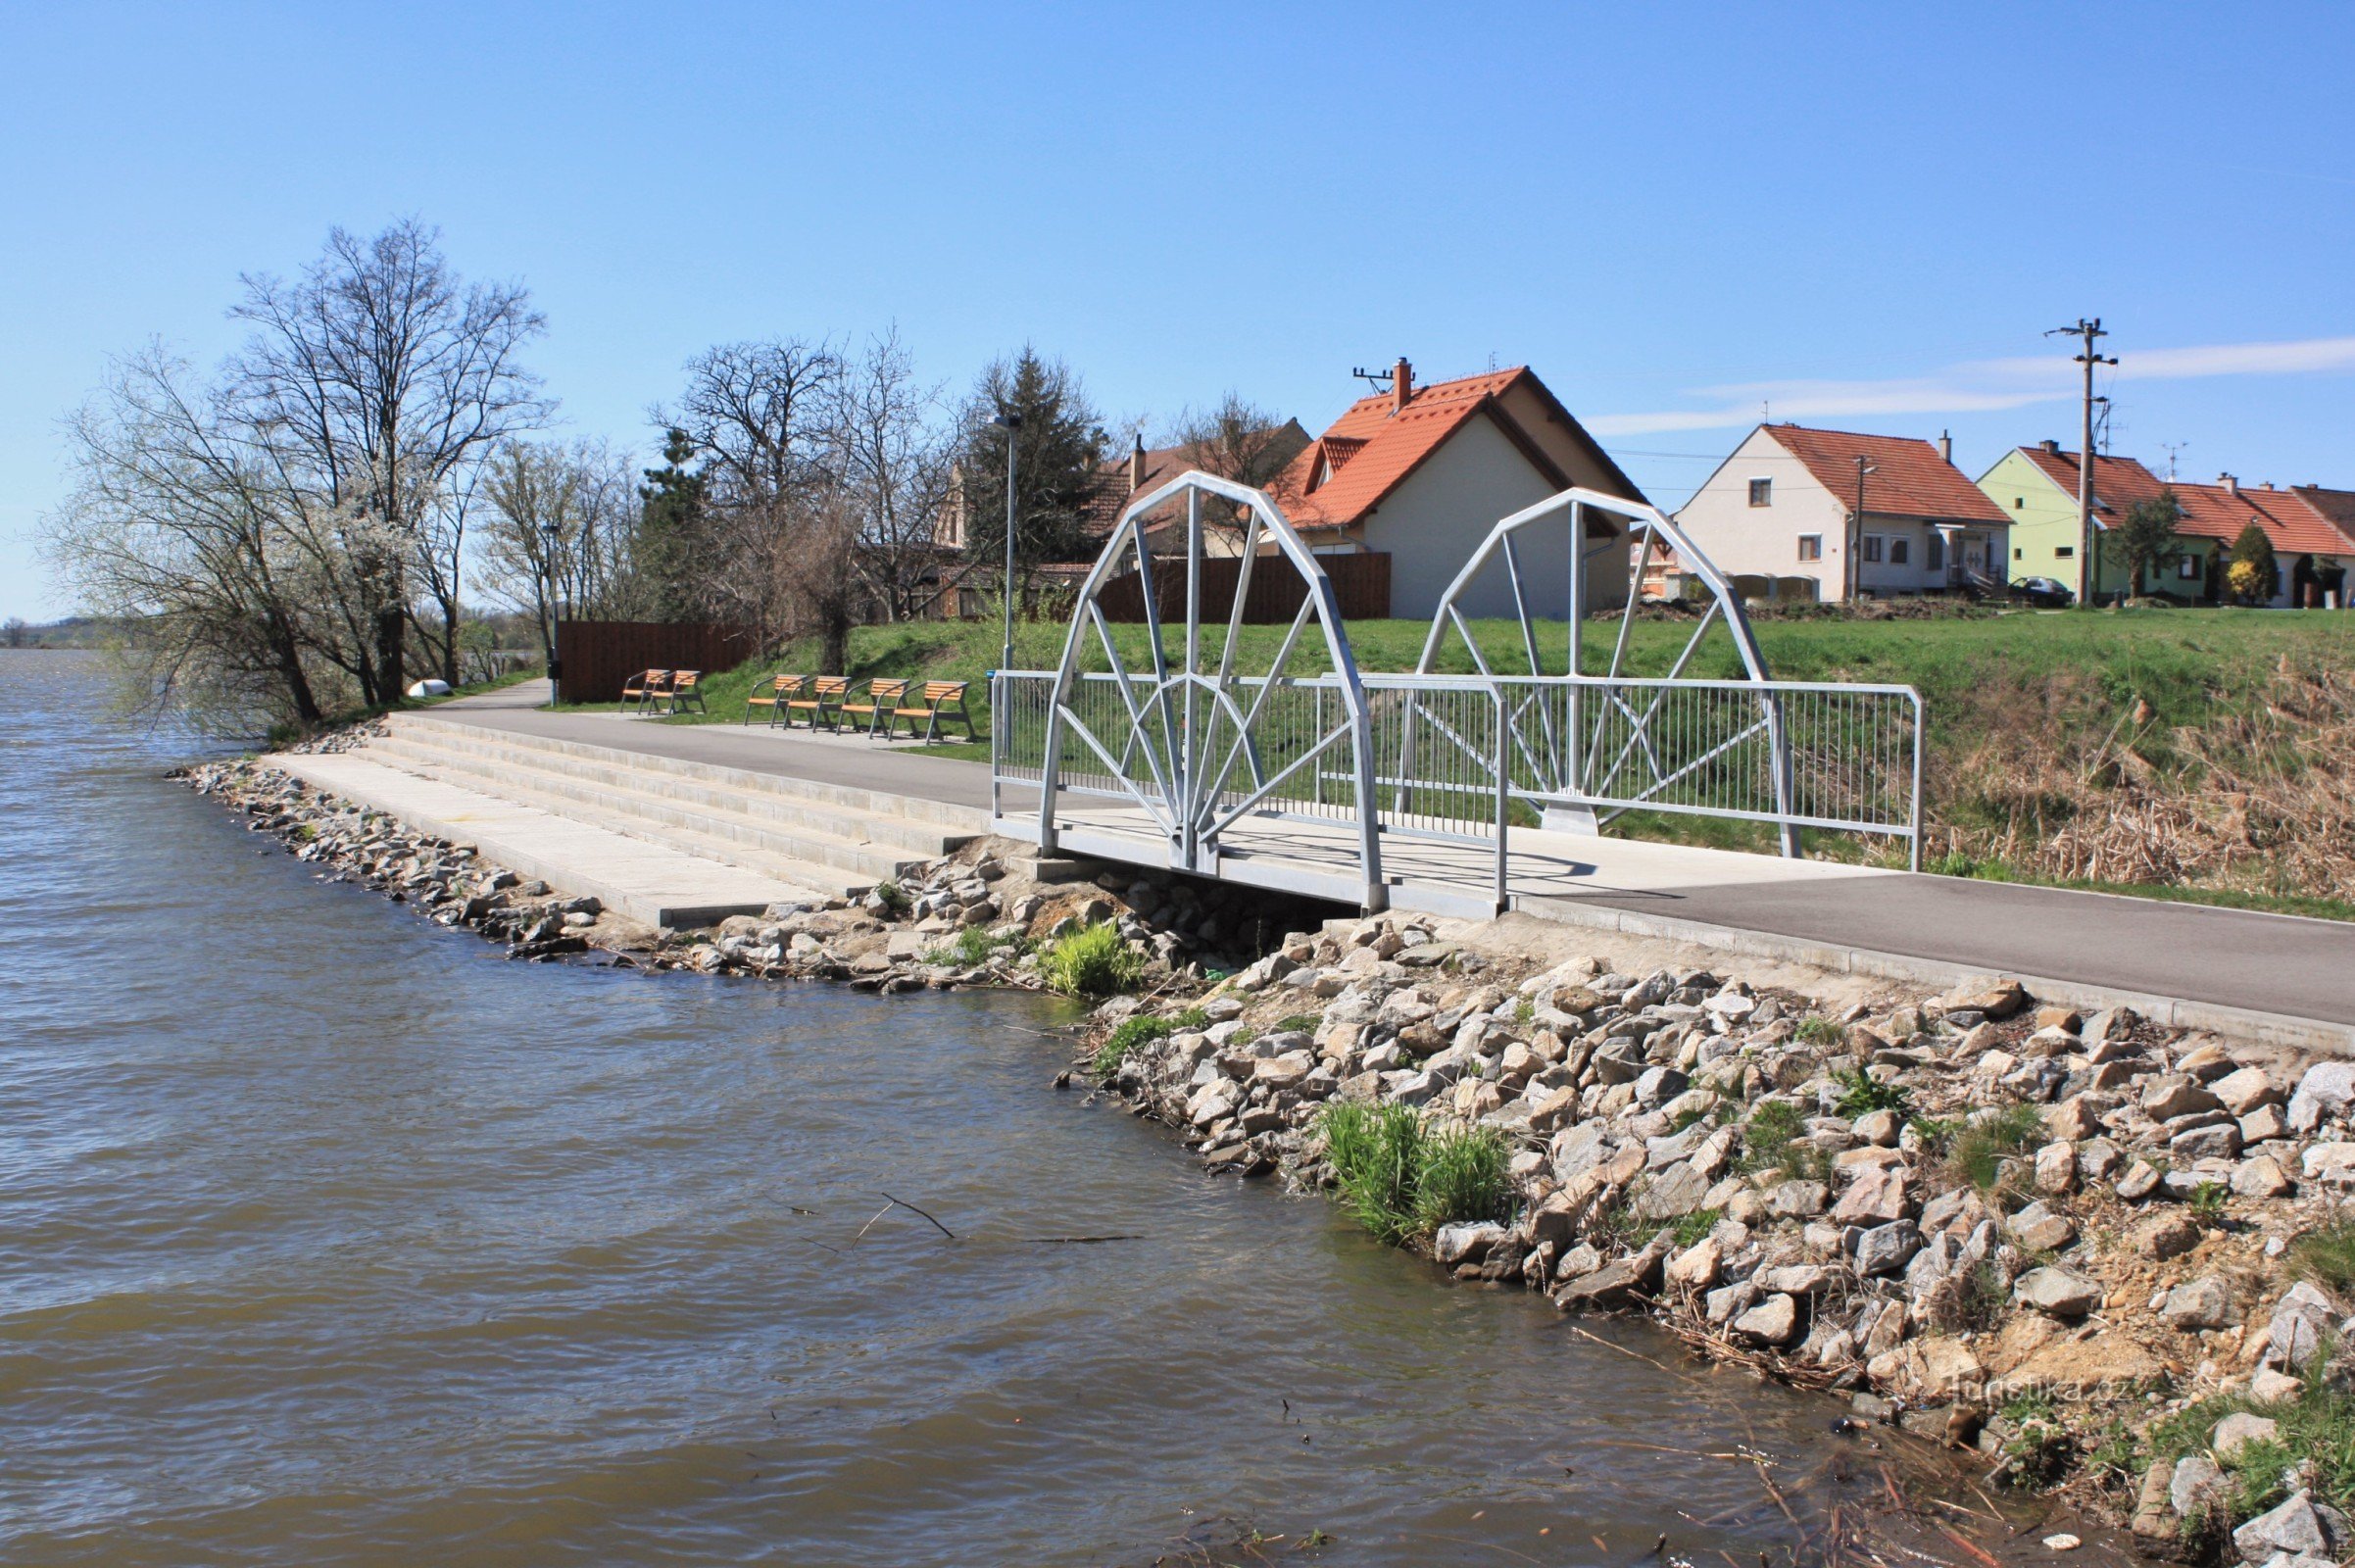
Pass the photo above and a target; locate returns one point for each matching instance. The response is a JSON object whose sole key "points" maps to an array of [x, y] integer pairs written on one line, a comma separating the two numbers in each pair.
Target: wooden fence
{"points": [[1361, 582], [593, 658]]}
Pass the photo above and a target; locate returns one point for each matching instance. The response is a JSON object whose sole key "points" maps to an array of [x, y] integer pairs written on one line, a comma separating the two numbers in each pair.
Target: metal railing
{"points": [[1456, 757]]}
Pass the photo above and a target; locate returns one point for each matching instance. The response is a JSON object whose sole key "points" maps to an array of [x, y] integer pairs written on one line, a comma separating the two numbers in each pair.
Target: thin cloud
{"points": [[1979, 386]]}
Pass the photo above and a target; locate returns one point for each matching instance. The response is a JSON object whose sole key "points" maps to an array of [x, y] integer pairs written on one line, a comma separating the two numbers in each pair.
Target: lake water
{"points": [[327, 1236]]}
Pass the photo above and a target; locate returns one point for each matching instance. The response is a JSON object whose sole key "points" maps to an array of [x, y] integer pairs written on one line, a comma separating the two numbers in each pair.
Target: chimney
{"points": [[2230, 483], [1401, 385], [1946, 448], [1135, 466], [2052, 446]]}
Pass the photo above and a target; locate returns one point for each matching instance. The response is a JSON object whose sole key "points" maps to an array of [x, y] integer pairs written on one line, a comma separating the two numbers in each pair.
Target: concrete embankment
{"points": [[2066, 1239]]}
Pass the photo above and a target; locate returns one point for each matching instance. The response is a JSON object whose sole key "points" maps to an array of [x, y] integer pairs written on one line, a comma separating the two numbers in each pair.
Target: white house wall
{"points": [[1764, 541], [1434, 520]]}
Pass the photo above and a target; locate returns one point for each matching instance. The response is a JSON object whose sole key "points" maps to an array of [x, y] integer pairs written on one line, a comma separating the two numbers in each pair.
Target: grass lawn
{"points": [[2032, 716]]}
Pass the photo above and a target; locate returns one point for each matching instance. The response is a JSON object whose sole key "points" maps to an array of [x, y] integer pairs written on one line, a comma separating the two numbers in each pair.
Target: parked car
{"points": [[2043, 592]]}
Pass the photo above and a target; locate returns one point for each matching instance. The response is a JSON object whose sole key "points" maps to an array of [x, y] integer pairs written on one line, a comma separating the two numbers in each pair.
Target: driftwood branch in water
{"points": [[936, 1224]]}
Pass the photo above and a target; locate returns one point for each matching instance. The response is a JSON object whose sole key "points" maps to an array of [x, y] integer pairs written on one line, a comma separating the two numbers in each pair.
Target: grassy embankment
{"points": [[2196, 754]]}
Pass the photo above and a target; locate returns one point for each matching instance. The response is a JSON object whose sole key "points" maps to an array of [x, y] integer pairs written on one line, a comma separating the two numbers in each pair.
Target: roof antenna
{"points": [[2171, 448], [1379, 380]]}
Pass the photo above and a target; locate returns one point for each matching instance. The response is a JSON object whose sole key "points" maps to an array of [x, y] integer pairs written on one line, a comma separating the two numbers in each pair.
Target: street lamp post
{"points": [[1011, 423]]}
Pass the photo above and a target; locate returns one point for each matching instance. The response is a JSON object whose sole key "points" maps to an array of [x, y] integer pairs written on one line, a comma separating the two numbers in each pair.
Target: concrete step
{"points": [[966, 821], [655, 884], [768, 800], [837, 864]]}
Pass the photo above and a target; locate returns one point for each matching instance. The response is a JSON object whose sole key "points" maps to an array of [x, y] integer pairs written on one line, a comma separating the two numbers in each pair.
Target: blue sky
{"points": [[1862, 216]]}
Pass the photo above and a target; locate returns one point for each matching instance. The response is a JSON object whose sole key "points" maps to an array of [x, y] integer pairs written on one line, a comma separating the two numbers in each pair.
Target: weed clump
{"points": [[1861, 1093], [1978, 1152], [1403, 1181], [1094, 961], [2324, 1254], [1775, 1137], [1131, 1033]]}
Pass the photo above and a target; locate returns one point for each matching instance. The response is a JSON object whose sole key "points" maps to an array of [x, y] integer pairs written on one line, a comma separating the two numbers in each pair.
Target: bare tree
{"points": [[558, 532], [1237, 439], [759, 415], [894, 455], [179, 518], [380, 376]]}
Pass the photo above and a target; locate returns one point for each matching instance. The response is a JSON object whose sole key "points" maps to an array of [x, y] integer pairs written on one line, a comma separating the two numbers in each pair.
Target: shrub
{"points": [[1861, 1093], [2324, 1254], [2317, 1432], [973, 944], [1093, 961], [893, 896], [1304, 1022], [1980, 1149]]}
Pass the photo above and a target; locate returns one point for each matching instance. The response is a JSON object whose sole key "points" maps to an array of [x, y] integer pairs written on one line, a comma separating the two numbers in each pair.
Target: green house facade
{"points": [[2035, 487]]}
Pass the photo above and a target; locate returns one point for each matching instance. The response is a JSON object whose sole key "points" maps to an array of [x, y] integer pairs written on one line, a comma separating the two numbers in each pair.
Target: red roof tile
{"points": [[1371, 449], [1909, 479], [2293, 519]]}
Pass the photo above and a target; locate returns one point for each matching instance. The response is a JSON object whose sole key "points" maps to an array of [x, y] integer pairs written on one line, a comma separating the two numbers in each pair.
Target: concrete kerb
{"points": [[2309, 1035]]}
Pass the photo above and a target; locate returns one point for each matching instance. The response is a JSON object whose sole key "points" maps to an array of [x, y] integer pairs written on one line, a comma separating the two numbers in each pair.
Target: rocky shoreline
{"points": [[2110, 1256]]}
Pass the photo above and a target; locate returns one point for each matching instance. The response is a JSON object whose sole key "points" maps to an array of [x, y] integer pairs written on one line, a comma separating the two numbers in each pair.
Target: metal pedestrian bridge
{"points": [[1475, 783]]}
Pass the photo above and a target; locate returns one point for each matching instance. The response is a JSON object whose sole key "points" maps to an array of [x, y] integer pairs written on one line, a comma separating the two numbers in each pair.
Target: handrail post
{"points": [[1915, 860], [1504, 806]]}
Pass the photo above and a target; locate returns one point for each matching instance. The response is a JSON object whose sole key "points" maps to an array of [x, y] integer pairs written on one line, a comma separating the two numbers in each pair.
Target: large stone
{"points": [[2073, 1120], [2056, 1168], [2300, 1525], [2166, 1236], [1658, 1084], [1773, 1321], [1794, 1279], [2262, 1177], [2239, 1429], [1672, 1193], [2327, 1090], [1614, 1283], [2205, 1302], [1698, 1267], [2301, 1322], [1887, 1249], [2176, 1095], [2141, 1180], [2037, 1229], [2220, 1142], [1285, 1071], [1797, 1201], [2246, 1090], [1467, 1244], [2196, 1487], [2057, 1293], [1998, 999], [2265, 1122], [1877, 1197], [2332, 1163], [1951, 1368]]}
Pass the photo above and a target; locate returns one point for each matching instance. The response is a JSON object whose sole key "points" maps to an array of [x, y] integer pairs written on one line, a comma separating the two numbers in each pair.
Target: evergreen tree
{"points": [[669, 529], [1061, 445], [2254, 576]]}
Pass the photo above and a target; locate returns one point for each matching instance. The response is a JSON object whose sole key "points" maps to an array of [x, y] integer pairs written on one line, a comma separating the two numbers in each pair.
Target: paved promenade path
{"points": [[2263, 964]]}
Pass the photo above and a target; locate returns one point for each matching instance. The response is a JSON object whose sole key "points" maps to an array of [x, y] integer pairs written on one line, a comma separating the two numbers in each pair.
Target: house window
{"points": [[2187, 567], [2019, 503], [1811, 547], [1872, 547], [1933, 552], [1898, 550], [2018, 554], [2064, 553], [1762, 492]]}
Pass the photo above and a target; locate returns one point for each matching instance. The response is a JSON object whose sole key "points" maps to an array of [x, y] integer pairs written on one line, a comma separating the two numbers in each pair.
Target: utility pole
{"points": [[1851, 571], [2090, 331]]}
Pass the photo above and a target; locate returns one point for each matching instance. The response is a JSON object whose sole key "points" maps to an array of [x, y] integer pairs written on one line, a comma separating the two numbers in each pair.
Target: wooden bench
{"points": [[882, 696], [642, 690], [782, 690], [686, 686], [824, 690], [933, 698]]}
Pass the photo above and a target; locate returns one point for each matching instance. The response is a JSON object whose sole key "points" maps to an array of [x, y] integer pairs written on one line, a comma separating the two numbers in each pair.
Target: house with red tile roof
{"points": [[1872, 515], [2037, 487], [1422, 473]]}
